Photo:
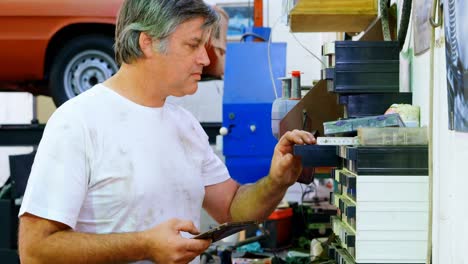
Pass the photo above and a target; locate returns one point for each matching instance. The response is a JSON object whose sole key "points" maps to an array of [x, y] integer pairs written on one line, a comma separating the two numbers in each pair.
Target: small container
{"points": [[279, 110], [286, 87], [279, 226], [296, 85], [393, 136]]}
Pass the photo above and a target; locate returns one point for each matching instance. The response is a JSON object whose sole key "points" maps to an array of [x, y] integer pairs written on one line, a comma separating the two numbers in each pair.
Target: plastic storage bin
{"points": [[278, 226], [392, 136], [347, 126]]}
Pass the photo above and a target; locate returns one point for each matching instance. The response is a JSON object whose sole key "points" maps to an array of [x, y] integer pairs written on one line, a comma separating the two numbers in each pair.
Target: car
{"points": [[57, 47]]}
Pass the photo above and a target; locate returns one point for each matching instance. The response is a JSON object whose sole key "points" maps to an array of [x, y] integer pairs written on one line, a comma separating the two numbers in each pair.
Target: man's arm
{"points": [[45, 241], [227, 201]]}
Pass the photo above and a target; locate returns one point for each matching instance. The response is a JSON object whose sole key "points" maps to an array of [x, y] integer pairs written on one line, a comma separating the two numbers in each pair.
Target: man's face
{"points": [[185, 57]]}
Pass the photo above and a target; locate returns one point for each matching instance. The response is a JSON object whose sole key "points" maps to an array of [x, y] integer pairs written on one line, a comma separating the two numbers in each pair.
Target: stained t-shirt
{"points": [[108, 165]]}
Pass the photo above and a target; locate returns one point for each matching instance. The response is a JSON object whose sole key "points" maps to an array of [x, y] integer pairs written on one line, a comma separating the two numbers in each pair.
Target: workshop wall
{"points": [[297, 57], [450, 153]]}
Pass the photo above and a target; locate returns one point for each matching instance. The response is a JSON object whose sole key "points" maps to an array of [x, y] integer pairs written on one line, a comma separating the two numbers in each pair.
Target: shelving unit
{"points": [[383, 212]]}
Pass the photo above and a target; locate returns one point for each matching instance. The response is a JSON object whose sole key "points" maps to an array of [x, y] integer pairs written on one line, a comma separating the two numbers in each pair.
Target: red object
{"points": [[296, 73], [281, 213], [29, 29], [279, 226], [258, 13]]}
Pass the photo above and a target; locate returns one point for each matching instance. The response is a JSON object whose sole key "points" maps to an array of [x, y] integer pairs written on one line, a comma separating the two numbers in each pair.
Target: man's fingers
{"points": [[197, 245], [286, 161], [186, 226], [297, 137]]}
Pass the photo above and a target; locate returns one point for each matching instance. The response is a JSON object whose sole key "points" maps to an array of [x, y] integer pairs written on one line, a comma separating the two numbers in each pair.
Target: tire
{"points": [[80, 64]]}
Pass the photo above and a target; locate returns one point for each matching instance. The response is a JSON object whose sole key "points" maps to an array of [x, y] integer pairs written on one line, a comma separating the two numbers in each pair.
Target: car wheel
{"points": [[82, 63]]}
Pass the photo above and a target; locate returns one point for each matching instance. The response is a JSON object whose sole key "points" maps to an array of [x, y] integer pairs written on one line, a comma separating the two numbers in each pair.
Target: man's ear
{"points": [[146, 44]]}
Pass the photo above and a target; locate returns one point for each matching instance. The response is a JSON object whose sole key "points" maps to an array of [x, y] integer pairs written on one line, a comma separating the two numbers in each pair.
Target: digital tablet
{"points": [[225, 230]]}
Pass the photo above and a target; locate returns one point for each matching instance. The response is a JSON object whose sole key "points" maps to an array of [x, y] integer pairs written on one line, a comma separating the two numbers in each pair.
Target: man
{"points": [[120, 175], [216, 48]]}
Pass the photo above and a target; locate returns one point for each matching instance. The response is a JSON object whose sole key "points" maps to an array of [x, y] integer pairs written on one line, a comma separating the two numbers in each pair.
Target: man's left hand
{"points": [[285, 167]]}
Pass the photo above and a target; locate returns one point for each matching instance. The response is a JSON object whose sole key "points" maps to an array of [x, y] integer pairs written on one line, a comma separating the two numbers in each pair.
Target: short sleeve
{"points": [[213, 169], [59, 176]]}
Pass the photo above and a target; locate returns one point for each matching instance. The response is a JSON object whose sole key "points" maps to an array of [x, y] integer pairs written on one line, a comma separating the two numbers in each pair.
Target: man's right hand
{"points": [[166, 245], [41, 240]]}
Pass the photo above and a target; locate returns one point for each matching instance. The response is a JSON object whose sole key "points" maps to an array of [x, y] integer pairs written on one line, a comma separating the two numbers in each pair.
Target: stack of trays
{"points": [[369, 104], [362, 67], [365, 76], [383, 204], [385, 160]]}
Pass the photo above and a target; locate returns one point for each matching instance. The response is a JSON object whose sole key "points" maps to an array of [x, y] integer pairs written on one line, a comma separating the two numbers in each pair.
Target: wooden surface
{"points": [[319, 105], [332, 15], [374, 31]]}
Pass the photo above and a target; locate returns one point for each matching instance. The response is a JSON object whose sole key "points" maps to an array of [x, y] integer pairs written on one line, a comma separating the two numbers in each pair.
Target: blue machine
{"points": [[247, 100]]}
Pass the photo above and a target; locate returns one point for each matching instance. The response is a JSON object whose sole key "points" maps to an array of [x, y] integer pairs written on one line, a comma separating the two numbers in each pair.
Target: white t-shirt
{"points": [[108, 165]]}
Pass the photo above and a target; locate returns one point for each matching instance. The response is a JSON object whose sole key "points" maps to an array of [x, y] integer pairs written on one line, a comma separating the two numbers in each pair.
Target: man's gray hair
{"points": [[158, 19]]}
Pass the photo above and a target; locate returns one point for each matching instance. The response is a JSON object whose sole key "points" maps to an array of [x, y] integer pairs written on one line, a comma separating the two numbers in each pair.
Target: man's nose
{"points": [[203, 58]]}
